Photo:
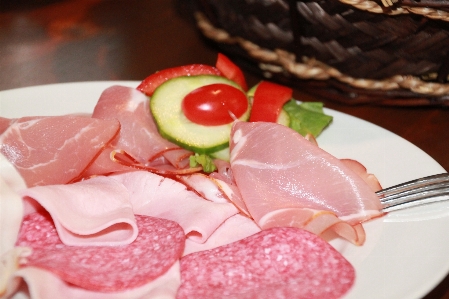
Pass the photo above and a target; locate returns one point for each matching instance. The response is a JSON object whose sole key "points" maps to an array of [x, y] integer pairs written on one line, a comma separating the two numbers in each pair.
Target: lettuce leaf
{"points": [[204, 160], [307, 117]]}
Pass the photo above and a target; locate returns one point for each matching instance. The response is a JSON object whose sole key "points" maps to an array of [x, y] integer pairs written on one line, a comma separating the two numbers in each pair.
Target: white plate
{"points": [[406, 252]]}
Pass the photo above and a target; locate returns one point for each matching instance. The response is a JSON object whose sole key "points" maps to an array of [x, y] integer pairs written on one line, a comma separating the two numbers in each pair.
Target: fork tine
{"points": [[416, 199], [418, 183], [420, 189], [417, 192]]}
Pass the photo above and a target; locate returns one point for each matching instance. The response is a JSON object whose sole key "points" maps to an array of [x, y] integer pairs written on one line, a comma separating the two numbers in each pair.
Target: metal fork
{"points": [[417, 192]]}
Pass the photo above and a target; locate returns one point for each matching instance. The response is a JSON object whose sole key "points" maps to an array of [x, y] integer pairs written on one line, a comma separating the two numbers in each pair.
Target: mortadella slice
{"points": [[277, 263], [285, 180], [55, 149]]}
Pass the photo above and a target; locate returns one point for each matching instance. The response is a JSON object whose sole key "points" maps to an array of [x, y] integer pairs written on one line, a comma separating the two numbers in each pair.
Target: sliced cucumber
{"points": [[221, 154], [173, 125], [283, 118]]}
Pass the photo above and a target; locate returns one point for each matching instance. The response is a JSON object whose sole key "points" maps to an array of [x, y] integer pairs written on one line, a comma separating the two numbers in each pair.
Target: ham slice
{"points": [[361, 170], [157, 196], [92, 212], [139, 136], [105, 164], [178, 157], [5, 123], [285, 180], [212, 188], [56, 149], [235, 228], [204, 185]]}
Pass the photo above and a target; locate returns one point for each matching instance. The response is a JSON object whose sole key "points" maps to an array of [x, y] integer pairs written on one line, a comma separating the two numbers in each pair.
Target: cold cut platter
{"points": [[405, 252]]}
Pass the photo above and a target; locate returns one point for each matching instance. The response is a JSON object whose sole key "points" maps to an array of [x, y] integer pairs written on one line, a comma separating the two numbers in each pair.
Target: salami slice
{"points": [[274, 263], [158, 246]]}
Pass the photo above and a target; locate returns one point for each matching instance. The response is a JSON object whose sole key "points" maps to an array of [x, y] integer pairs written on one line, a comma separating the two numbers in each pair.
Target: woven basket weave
{"points": [[351, 51]]}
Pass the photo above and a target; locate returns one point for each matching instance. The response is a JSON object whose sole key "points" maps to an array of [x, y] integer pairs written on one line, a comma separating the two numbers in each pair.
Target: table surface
{"points": [[51, 41]]}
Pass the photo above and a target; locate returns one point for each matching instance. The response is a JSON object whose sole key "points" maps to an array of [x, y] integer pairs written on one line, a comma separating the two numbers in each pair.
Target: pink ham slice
{"points": [[361, 170], [112, 161], [95, 212], [235, 228], [105, 164], [5, 123], [104, 268], [178, 157], [162, 197], [275, 263], [55, 150], [286, 180], [205, 186], [213, 188], [139, 136]]}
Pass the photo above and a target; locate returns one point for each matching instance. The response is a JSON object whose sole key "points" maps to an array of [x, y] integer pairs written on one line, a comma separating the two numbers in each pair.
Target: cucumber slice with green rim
{"points": [[166, 107]]}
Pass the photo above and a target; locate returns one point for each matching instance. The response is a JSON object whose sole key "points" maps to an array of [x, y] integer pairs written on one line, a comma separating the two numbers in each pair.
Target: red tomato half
{"points": [[213, 105], [150, 83]]}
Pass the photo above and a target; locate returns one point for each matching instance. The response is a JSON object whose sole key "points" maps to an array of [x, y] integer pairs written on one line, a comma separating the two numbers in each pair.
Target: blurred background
{"points": [[47, 41]]}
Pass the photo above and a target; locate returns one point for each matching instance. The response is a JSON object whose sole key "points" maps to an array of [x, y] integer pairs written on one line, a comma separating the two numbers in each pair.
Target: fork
{"points": [[417, 192]]}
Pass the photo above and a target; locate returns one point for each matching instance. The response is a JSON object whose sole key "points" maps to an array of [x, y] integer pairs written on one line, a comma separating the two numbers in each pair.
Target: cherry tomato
{"points": [[231, 71], [213, 105], [269, 99], [150, 83]]}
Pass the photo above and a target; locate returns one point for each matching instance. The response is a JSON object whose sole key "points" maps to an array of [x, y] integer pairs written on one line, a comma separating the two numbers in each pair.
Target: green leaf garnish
{"points": [[307, 117], [204, 160]]}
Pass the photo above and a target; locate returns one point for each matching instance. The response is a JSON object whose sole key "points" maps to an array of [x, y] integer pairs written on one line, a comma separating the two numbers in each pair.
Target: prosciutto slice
{"points": [[286, 180], [56, 149], [139, 136], [5, 123]]}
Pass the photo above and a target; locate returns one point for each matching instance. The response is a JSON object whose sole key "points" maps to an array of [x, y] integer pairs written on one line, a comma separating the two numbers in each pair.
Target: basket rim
{"points": [[390, 8], [279, 60]]}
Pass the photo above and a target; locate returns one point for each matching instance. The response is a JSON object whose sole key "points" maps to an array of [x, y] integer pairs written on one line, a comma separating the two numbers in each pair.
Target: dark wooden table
{"points": [[45, 41]]}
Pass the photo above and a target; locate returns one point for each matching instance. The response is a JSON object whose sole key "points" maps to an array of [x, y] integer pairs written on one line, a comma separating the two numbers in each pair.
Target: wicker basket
{"points": [[351, 51]]}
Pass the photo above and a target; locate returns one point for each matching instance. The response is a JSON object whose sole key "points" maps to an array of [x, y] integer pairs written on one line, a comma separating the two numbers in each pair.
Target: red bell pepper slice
{"points": [[150, 83], [268, 101], [231, 71]]}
